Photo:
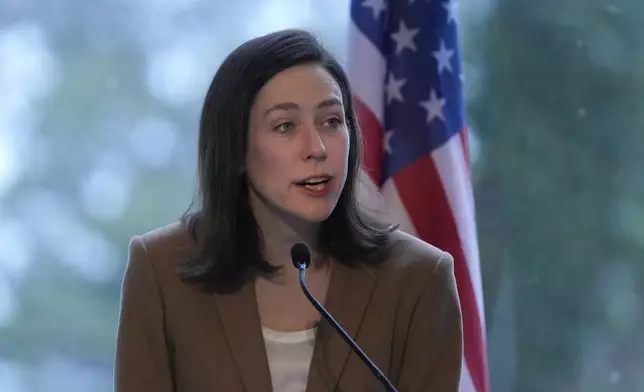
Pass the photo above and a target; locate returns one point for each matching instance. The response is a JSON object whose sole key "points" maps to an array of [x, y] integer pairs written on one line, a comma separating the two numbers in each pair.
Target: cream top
{"points": [[289, 358]]}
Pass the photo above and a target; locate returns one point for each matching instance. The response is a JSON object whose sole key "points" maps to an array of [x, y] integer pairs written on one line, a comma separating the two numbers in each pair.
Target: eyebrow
{"points": [[290, 105]]}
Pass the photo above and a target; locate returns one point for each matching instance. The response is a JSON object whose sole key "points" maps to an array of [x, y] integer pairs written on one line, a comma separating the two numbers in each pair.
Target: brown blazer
{"points": [[405, 315]]}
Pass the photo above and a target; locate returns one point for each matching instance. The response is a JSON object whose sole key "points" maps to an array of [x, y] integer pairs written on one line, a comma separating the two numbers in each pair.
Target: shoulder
{"points": [[412, 262], [172, 236], [165, 243], [161, 248], [409, 253]]}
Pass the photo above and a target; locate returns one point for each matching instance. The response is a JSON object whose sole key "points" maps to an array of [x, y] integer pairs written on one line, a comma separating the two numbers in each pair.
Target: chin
{"points": [[313, 216], [313, 212]]}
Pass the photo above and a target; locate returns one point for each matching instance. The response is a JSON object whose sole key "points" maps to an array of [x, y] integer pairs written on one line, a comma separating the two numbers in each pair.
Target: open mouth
{"points": [[314, 183]]}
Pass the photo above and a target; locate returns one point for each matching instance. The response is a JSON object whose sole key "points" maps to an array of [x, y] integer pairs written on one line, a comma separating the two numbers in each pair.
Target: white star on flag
{"points": [[377, 6], [434, 107], [443, 56], [393, 88], [450, 7], [387, 141], [404, 38]]}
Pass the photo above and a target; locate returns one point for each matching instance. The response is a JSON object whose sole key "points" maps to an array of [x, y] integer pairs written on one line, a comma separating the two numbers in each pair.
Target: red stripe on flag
{"points": [[429, 211], [466, 148], [372, 139]]}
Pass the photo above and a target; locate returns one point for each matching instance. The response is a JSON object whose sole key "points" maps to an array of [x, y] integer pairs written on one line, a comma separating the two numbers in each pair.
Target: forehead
{"points": [[301, 83]]}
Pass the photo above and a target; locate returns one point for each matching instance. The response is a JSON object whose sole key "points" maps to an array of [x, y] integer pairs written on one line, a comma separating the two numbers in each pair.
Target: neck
{"points": [[280, 232], [279, 236]]}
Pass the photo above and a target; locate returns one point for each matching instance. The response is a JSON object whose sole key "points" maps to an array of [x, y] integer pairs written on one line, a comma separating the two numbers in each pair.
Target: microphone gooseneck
{"points": [[301, 258]]}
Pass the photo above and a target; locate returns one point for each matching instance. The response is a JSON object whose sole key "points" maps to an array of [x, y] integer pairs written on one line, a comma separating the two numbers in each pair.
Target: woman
{"points": [[212, 303]]}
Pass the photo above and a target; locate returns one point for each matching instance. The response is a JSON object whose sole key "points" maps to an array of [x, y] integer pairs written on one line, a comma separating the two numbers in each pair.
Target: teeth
{"points": [[315, 181], [315, 187]]}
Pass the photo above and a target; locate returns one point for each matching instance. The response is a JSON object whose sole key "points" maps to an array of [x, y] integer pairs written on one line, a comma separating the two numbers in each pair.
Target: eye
{"points": [[284, 127], [334, 122]]}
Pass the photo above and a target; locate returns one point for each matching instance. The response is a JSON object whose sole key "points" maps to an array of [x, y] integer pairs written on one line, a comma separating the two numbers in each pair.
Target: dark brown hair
{"points": [[228, 240]]}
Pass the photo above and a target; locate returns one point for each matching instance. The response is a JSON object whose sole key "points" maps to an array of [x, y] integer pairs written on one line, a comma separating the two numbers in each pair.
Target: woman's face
{"points": [[298, 144]]}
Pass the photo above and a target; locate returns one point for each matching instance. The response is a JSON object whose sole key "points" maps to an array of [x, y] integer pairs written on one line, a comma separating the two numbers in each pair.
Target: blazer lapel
{"points": [[348, 296], [240, 318]]}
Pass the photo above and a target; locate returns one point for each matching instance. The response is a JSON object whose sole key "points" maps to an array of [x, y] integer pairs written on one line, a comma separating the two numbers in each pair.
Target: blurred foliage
{"points": [[559, 119]]}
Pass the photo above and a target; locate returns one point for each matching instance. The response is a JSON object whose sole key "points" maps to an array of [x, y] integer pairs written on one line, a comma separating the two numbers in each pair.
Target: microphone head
{"points": [[301, 256]]}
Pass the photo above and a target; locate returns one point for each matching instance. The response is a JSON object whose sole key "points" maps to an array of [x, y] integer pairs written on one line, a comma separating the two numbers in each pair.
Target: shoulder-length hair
{"points": [[229, 244]]}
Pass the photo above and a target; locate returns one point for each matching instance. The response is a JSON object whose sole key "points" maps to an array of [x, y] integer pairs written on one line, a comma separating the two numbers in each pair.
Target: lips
{"points": [[314, 180], [316, 186]]}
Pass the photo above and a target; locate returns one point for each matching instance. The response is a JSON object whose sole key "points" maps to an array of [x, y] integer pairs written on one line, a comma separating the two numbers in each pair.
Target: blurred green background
{"points": [[99, 103]]}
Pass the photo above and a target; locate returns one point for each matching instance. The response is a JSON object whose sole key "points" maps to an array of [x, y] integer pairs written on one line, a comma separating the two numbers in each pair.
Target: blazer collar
{"points": [[348, 296], [239, 315]]}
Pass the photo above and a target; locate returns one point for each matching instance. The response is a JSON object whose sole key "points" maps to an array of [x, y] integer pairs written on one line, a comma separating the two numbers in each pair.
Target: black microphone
{"points": [[301, 260]]}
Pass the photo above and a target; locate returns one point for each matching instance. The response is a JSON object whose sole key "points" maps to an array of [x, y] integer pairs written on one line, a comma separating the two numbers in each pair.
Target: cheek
{"points": [[344, 145], [347, 146], [254, 162], [264, 170]]}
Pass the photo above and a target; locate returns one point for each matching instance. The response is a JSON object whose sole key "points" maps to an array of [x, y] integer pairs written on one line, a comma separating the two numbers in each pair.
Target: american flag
{"points": [[404, 64]]}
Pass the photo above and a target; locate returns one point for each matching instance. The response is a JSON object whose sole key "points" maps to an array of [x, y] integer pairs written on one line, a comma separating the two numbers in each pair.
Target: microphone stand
{"points": [[374, 369]]}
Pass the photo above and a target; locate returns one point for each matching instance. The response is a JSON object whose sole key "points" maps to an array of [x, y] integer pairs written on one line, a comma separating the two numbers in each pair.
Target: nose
{"points": [[314, 147]]}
